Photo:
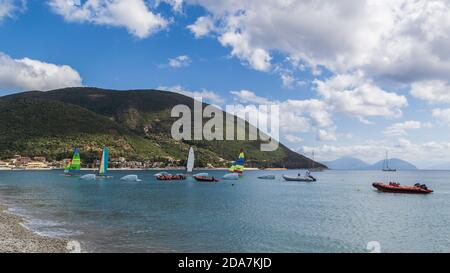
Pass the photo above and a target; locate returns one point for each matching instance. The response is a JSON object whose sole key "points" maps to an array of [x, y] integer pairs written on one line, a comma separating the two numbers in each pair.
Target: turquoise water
{"points": [[340, 213]]}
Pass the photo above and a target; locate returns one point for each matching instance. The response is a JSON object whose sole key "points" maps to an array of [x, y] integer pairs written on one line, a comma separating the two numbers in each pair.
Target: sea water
{"points": [[339, 213]]}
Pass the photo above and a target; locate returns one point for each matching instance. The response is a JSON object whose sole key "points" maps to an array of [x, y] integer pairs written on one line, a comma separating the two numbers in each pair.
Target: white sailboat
{"points": [[190, 161], [314, 168], [386, 167]]}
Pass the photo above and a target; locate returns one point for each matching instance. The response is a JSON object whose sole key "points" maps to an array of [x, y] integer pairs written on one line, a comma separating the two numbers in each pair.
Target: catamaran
{"points": [[103, 169], [238, 165], [386, 167], [73, 166]]}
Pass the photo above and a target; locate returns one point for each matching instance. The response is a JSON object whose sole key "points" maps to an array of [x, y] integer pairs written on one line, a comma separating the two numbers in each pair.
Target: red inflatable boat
{"points": [[397, 188]]}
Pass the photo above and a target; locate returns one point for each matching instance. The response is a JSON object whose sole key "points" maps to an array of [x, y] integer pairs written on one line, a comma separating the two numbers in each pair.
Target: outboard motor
{"points": [[312, 177]]}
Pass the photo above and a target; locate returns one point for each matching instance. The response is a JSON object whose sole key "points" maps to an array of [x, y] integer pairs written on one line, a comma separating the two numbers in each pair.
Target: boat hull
{"points": [[401, 189], [104, 177], [206, 179], [171, 178], [267, 177], [299, 179]]}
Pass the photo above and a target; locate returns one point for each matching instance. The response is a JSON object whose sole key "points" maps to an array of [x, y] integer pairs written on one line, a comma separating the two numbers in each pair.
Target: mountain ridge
{"points": [[135, 124], [353, 163]]}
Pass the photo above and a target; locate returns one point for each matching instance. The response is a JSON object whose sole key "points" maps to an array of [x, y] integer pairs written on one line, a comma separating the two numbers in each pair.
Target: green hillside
{"points": [[134, 124]]}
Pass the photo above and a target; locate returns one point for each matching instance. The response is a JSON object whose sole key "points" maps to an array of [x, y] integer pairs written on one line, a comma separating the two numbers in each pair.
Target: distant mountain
{"points": [[346, 163], [352, 163], [394, 163], [134, 124]]}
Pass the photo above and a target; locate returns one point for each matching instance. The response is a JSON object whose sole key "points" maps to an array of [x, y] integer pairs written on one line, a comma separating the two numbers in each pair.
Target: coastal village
{"points": [[19, 162]]}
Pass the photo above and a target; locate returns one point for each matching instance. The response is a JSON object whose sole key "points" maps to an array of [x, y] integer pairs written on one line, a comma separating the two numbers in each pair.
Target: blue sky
{"points": [[353, 78]]}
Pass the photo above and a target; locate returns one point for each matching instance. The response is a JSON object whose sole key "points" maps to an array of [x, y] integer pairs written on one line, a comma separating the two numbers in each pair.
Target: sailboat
{"points": [[238, 165], [386, 167], [73, 167], [190, 161], [314, 168], [103, 169]]}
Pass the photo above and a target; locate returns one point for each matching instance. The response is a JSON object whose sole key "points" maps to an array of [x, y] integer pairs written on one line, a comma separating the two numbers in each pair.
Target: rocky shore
{"points": [[14, 237]]}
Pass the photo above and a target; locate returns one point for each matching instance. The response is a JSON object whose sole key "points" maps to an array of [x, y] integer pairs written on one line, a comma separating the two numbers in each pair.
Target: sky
{"points": [[351, 77]]}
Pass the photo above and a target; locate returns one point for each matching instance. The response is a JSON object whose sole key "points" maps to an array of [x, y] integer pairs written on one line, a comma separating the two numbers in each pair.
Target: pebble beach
{"points": [[15, 238]]}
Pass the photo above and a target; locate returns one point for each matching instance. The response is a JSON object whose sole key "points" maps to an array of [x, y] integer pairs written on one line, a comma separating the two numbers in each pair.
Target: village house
{"points": [[36, 165], [39, 158], [4, 165]]}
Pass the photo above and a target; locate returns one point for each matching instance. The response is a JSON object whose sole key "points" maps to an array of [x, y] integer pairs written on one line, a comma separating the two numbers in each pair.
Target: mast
{"points": [[387, 160]]}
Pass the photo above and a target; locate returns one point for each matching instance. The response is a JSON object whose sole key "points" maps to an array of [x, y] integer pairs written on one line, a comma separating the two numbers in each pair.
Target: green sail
{"points": [[75, 164]]}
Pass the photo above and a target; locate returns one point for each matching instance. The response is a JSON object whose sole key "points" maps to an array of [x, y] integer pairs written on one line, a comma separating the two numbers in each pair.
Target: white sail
{"points": [[191, 160]]}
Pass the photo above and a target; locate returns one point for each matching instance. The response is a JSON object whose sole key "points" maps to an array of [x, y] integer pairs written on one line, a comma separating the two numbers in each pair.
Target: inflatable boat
{"points": [[397, 188]]}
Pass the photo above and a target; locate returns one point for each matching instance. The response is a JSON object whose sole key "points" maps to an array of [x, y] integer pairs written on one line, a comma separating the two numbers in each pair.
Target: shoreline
{"points": [[16, 238], [130, 169]]}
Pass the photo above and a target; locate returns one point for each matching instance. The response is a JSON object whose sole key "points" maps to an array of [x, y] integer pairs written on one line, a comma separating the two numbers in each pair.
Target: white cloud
{"points": [[202, 26], [293, 138], [245, 96], [9, 7], [208, 96], [28, 74], [177, 5], [258, 58], [400, 40], [393, 42], [356, 96], [442, 115], [134, 15], [180, 61], [433, 91], [296, 115], [288, 80], [326, 135], [399, 129]]}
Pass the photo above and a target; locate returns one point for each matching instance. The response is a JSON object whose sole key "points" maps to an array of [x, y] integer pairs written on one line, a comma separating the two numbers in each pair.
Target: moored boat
{"points": [[267, 177], [131, 178], [165, 176], [397, 188], [231, 176], [88, 177], [386, 167], [313, 167], [299, 178], [204, 177]]}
